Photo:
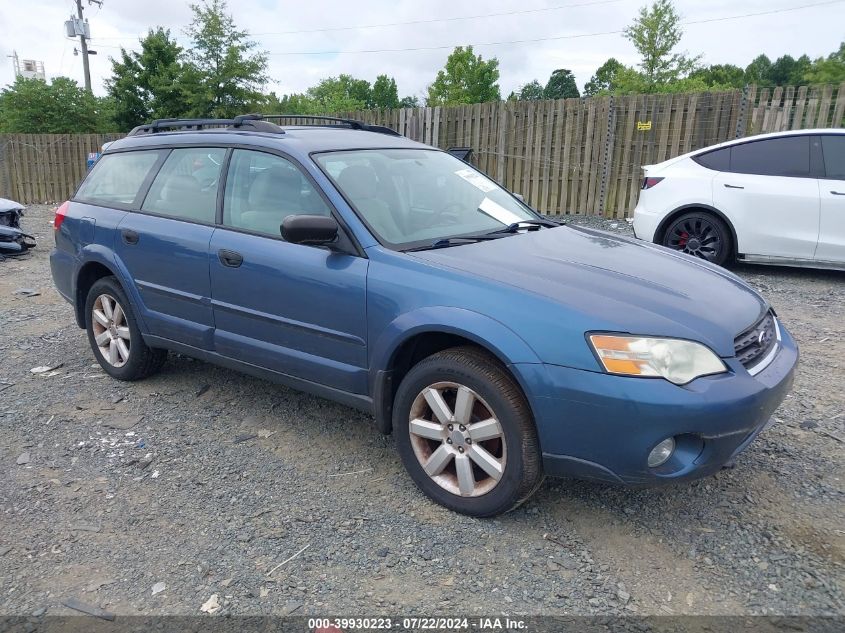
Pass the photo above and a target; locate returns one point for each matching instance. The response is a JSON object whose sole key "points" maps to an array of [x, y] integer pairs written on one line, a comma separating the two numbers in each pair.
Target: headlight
{"points": [[675, 360]]}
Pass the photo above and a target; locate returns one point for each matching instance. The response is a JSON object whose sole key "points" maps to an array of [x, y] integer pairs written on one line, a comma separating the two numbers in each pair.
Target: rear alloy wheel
{"points": [[114, 335], [700, 234], [466, 434]]}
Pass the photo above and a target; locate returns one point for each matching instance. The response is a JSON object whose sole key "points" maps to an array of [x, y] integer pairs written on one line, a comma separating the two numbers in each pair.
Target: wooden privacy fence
{"points": [[565, 156]]}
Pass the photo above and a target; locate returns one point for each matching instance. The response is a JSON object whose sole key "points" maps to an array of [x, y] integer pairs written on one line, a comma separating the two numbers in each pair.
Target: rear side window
{"points": [[186, 186], [833, 148], [787, 156], [117, 178], [718, 160]]}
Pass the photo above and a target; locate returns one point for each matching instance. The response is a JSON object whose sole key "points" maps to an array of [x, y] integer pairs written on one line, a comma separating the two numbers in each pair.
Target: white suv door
{"points": [[831, 246], [771, 198]]}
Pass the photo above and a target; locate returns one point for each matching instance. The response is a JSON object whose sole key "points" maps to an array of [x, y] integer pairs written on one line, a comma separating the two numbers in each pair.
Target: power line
{"points": [[427, 21], [556, 38], [451, 19]]}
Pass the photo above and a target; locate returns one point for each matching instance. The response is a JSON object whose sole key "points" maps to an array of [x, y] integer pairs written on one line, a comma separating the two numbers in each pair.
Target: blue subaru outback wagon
{"points": [[350, 262]]}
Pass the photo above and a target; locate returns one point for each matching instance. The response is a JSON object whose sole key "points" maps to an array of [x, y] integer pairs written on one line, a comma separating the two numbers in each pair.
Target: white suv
{"points": [[770, 199]]}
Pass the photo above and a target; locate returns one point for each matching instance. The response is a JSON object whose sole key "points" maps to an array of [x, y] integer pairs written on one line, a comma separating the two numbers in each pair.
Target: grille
{"points": [[752, 345]]}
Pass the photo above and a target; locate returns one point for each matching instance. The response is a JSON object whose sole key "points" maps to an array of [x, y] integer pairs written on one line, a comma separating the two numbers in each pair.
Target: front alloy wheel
{"points": [[457, 439], [466, 434]]}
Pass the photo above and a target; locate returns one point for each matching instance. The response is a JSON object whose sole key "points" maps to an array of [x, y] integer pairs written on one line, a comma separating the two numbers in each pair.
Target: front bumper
{"points": [[594, 425]]}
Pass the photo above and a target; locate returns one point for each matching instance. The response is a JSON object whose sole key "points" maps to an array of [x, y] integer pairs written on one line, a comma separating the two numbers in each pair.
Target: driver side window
{"points": [[186, 186], [263, 189]]}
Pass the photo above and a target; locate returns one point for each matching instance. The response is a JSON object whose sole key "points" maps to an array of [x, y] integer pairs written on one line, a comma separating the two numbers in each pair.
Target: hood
{"points": [[612, 283]]}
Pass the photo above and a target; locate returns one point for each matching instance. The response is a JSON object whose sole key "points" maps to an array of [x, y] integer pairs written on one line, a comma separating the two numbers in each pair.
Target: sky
{"points": [[553, 34]]}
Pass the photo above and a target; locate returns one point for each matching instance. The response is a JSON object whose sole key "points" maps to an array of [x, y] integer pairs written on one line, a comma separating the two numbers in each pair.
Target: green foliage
{"points": [[466, 78], [32, 106], [226, 72], [342, 94], [385, 93], [604, 80], [827, 70], [721, 75], [757, 72], [532, 91], [561, 85], [655, 33], [148, 84], [409, 102]]}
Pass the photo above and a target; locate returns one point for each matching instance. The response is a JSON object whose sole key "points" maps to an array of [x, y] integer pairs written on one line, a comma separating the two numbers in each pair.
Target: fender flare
{"points": [[96, 253], [664, 223], [488, 333]]}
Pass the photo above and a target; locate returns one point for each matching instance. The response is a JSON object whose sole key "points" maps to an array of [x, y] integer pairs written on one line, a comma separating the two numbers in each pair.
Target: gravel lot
{"points": [[212, 482]]}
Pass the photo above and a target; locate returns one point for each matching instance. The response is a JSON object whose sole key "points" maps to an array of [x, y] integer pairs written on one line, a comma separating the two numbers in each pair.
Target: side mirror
{"points": [[519, 196], [309, 229]]}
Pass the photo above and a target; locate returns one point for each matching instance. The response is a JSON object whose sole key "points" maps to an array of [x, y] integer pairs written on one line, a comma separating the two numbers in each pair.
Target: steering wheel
{"points": [[449, 214]]}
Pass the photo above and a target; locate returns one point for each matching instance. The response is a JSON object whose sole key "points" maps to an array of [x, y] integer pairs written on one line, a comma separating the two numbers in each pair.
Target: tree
{"points": [[655, 33], [758, 71], [384, 93], [409, 102], [226, 73], [532, 91], [148, 84], [561, 85], [32, 106], [720, 76], [604, 79], [466, 78], [788, 71], [827, 70], [342, 93]]}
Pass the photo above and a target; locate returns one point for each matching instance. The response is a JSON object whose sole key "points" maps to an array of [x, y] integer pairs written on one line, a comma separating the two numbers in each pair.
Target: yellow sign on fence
{"points": [[643, 126]]}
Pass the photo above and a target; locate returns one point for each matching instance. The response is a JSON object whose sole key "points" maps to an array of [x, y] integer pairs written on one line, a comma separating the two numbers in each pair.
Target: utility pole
{"points": [[84, 46]]}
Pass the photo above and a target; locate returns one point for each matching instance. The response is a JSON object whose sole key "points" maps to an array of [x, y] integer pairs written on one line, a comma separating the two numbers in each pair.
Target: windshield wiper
{"points": [[525, 224], [458, 240]]}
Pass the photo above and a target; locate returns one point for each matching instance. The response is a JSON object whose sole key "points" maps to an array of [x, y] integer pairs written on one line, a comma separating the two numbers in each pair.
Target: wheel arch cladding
{"points": [[660, 233], [88, 275], [412, 337]]}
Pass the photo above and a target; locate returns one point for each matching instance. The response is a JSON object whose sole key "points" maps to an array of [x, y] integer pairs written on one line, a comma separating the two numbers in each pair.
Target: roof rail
{"points": [[353, 123], [241, 121], [258, 122]]}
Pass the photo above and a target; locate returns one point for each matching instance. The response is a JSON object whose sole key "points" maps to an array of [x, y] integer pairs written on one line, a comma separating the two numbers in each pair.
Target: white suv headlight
{"points": [[676, 360]]}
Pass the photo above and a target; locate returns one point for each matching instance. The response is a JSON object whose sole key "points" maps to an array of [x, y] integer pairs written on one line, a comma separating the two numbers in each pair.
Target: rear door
{"points": [[295, 309], [771, 197], [165, 246], [831, 246]]}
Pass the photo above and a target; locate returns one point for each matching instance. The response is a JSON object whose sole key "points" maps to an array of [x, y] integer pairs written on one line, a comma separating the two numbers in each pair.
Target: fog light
{"points": [[660, 454]]}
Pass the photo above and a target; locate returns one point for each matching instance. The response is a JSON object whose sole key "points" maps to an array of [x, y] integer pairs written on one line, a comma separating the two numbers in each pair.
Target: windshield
{"points": [[409, 198]]}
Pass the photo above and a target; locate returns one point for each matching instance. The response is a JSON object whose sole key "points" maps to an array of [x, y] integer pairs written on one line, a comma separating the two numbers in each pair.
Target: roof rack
{"points": [[255, 122]]}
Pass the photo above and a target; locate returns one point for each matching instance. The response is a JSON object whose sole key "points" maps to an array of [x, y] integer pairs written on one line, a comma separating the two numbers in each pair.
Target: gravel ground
{"points": [[211, 482]]}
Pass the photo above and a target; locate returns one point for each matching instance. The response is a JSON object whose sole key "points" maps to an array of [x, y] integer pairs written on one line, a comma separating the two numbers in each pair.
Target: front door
{"points": [[832, 189], [298, 310]]}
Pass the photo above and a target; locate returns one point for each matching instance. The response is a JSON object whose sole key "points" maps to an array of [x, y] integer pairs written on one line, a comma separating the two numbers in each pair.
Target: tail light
{"points": [[61, 212], [649, 182]]}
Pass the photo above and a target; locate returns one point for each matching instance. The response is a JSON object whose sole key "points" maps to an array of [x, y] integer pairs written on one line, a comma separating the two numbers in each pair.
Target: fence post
{"points": [[743, 108], [608, 150], [5, 172]]}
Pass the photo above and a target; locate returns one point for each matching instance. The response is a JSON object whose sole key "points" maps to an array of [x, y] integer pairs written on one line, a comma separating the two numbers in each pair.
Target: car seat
{"points": [[361, 186]]}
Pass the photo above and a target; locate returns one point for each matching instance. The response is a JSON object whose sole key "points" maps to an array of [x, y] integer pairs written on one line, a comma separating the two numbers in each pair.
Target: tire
{"points": [[701, 234], [116, 332], [463, 476]]}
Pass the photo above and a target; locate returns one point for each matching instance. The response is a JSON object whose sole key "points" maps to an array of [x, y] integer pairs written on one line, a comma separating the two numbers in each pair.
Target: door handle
{"points": [[129, 236], [838, 193], [230, 258], [727, 186]]}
